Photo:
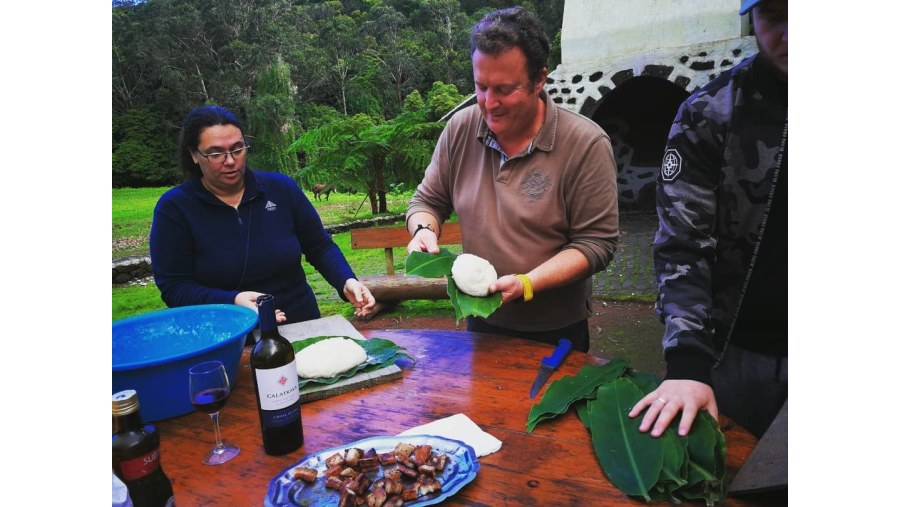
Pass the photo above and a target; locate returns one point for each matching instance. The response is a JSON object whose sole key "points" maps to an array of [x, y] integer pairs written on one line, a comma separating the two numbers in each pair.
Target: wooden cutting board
{"points": [[336, 325]]}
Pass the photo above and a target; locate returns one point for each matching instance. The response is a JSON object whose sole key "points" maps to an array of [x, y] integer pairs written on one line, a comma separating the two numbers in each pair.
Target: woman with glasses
{"points": [[229, 234]]}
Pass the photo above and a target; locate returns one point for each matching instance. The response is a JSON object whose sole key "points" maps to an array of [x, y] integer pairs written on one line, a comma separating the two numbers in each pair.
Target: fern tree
{"points": [[272, 121], [369, 154]]}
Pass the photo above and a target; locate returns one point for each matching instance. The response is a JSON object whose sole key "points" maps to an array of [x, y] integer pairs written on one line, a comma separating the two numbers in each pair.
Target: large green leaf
{"points": [[453, 291], [582, 411], [675, 466], [569, 389], [379, 354], [706, 473], [476, 306], [430, 265], [441, 264], [645, 381], [631, 460], [686, 468]]}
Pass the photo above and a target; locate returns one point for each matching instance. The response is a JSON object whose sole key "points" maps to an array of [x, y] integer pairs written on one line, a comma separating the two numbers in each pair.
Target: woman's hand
{"points": [[671, 397], [248, 299], [359, 295]]}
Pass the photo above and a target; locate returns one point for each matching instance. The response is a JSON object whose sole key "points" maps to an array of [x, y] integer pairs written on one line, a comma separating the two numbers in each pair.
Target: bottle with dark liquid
{"points": [[135, 454], [277, 384]]}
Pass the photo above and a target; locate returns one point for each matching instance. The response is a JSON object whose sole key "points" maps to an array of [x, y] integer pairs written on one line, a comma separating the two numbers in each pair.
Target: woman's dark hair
{"points": [[193, 125], [508, 28]]}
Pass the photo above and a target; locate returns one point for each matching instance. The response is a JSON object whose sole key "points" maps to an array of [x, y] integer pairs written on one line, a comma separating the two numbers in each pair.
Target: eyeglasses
{"points": [[218, 158]]}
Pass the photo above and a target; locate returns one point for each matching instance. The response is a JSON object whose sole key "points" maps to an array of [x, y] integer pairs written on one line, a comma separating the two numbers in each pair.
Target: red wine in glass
{"points": [[210, 401], [209, 390]]}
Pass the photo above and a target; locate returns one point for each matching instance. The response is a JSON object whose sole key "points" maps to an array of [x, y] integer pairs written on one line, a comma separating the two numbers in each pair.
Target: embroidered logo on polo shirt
{"points": [[536, 184], [270, 206], [671, 165]]}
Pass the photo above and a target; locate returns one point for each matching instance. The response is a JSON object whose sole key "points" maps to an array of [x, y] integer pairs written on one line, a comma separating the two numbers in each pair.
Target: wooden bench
{"points": [[391, 286]]}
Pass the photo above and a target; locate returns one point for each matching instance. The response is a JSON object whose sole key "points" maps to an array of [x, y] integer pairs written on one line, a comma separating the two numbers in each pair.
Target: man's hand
{"points": [[671, 397], [248, 299], [359, 295], [509, 286], [423, 241], [423, 230]]}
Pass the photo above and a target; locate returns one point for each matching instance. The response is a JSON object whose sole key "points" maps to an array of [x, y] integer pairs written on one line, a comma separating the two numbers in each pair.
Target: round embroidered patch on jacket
{"points": [[671, 166]]}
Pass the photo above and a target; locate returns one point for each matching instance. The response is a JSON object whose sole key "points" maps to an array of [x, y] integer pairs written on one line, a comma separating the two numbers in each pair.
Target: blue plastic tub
{"points": [[152, 353]]}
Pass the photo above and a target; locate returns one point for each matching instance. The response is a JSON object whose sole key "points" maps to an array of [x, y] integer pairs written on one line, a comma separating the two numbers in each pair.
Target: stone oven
{"points": [[628, 64]]}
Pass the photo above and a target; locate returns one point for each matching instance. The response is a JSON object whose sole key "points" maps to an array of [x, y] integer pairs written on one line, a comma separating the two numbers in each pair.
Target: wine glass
{"points": [[209, 392]]}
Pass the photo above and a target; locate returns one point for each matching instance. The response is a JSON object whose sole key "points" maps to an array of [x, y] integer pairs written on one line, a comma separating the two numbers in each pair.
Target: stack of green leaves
{"points": [[666, 469], [438, 265], [379, 354]]}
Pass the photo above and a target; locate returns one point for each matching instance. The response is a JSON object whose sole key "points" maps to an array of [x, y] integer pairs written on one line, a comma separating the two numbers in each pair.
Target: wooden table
{"points": [[486, 377]]}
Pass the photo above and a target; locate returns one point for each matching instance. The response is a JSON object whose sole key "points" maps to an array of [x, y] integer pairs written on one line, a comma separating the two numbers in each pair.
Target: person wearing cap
{"points": [[721, 249], [533, 185]]}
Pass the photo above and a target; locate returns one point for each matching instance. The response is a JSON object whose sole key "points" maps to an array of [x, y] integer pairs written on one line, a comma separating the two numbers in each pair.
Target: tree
{"points": [[272, 120], [448, 28], [413, 102], [349, 56], [143, 149], [442, 98], [366, 154]]}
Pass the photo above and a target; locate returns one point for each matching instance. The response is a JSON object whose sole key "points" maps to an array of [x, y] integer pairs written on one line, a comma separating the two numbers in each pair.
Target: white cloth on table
{"points": [[460, 427]]}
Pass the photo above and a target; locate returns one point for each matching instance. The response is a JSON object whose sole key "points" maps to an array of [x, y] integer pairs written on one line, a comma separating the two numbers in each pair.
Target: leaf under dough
{"points": [[430, 265], [438, 265], [379, 353]]}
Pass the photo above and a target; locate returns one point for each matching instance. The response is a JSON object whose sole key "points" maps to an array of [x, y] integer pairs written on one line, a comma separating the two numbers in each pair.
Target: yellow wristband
{"points": [[527, 291]]}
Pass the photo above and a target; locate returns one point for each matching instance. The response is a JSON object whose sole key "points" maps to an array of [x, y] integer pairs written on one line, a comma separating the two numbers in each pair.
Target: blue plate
{"points": [[462, 465]]}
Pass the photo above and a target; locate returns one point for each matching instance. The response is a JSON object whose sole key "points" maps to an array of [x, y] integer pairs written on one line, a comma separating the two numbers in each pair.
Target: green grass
{"points": [[134, 300], [132, 212]]}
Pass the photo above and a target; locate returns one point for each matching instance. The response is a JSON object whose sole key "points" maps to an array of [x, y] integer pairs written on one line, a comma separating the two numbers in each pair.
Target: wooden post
{"points": [[389, 259]]}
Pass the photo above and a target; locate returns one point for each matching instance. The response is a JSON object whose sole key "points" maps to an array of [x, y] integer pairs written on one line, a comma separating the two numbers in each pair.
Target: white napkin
{"points": [[460, 427]]}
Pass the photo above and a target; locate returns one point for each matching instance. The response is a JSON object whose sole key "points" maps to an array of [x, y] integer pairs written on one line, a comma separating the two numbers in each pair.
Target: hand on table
{"points": [[671, 397], [248, 299], [359, 295]]}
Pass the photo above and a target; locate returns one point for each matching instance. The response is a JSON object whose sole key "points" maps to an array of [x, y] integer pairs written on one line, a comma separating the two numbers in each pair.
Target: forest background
{"points": [[347, 92]]}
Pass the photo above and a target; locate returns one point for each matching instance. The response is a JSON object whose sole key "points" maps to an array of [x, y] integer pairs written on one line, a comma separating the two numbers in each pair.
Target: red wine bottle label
{"points": [[278, 387], [141, 466]]}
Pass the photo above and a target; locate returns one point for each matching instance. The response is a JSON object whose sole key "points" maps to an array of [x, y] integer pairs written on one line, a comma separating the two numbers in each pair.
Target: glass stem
{"points": [[215, 420]]}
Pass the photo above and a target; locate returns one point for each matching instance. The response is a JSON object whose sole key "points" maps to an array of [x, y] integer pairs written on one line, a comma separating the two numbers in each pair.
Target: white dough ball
{"points": [[473, 275], [329, 357]]}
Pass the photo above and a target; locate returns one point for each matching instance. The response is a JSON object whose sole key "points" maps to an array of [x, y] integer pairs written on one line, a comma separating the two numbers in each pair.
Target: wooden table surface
{"points": [[483, 376]]}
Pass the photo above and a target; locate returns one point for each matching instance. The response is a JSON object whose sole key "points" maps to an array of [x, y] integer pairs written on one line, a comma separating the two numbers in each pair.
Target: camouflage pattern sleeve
{"points": [[685, 246]]}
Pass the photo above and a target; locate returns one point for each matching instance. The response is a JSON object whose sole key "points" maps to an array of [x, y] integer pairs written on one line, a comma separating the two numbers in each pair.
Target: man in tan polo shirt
{"points": [[533, 186]]}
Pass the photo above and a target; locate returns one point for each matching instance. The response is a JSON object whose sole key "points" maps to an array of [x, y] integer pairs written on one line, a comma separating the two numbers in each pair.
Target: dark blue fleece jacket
{"points": [[204, 251]]}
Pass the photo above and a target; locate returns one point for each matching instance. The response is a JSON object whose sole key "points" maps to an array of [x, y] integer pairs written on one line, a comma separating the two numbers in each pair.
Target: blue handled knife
{"points": [[550, 363]]}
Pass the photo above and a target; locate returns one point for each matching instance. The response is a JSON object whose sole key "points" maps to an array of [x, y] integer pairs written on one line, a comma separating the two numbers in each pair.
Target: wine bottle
{"points": [[277, 384], [135, 454]]}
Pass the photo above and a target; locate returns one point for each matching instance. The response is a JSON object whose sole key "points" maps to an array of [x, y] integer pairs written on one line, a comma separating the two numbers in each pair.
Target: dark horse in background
{"points": [[322, 188]]}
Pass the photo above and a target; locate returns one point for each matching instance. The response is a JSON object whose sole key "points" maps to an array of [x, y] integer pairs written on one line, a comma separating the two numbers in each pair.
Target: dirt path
{"points": [[618, 329]]}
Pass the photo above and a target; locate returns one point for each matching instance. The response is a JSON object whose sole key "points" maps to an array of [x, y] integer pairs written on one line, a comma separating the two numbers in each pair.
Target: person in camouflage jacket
{"points": [[721, 248]]}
